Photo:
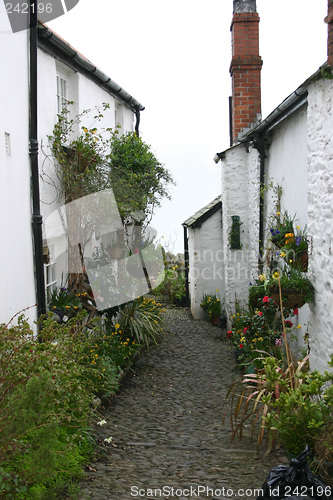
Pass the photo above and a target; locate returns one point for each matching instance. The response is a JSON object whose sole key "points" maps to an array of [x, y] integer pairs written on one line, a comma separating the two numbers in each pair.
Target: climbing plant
{"points": [[94, 160]]}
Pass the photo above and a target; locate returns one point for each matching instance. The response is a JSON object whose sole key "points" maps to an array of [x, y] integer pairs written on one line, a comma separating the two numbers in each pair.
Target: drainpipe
{"points": [[33, 133], [137, 122], [259, 144], [187, 262]]}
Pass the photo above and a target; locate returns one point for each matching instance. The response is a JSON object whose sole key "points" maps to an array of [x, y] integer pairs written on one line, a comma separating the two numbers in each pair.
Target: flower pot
{"points": [[215, 320]]}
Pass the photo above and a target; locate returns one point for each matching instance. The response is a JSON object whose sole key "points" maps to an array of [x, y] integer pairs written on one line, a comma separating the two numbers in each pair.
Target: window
{"points": [[50, 272], [62, 94]]}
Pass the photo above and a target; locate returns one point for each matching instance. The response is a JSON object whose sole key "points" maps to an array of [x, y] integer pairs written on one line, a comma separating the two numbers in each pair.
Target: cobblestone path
{"points": [[167, 425]]}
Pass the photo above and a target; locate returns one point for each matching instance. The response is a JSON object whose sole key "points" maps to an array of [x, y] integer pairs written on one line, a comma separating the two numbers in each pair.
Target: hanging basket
{"points": [[291, 298], [301, 262]]}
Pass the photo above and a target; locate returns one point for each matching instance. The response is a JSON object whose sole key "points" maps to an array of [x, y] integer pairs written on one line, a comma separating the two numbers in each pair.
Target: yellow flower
{"points": [[117, 326], [216, 290], [278, 213], [297, 227], [282, 254], [262, 277], [299, 326], [276, 275]]}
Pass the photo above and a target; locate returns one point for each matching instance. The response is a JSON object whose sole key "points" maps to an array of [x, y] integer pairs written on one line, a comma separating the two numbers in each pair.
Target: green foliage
{"points": [[47, 391], [139, 181], [301, 413], [65, 303], [253, 395], [82, 164], [94, 161], [45, 405], [292, 280], [211, 304], [172, 288], [142, 321], [258, 330]]}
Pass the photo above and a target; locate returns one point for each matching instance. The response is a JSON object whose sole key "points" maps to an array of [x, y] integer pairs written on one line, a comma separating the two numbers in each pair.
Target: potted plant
{"points": [[296, 289], [280, 226], [291, 240], [211, 304]]}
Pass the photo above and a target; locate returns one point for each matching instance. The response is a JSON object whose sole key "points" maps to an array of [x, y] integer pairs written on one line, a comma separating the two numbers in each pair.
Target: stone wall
{"points": [[320, 218]]}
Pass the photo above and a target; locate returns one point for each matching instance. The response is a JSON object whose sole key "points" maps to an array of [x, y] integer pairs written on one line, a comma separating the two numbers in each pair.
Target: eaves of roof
{"points": [[52, 43], [203, 214], [293, 102]]}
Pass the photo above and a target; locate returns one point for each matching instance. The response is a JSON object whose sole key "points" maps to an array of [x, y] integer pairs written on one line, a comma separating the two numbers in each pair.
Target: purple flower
{"points": [[298, 240]]}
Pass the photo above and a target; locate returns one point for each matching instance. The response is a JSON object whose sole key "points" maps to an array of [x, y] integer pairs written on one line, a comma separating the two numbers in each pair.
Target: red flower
{"points": [[288, 324], [241, 346], [229, 333], [245, 329], [260, 313], [265, 299], [296, 311]]}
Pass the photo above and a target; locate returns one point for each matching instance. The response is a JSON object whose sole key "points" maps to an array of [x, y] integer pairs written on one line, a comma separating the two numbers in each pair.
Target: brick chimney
{"points": [[329, 21], [245, 67]]}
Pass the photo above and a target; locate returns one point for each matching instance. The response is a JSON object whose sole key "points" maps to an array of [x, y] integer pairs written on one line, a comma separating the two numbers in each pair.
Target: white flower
{"points": [[108, 440], [102, 422]]}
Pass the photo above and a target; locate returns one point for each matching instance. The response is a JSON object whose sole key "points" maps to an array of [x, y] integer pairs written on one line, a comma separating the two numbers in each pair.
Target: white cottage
{"points": [[293, 148], [203, 250], [55, 73]]}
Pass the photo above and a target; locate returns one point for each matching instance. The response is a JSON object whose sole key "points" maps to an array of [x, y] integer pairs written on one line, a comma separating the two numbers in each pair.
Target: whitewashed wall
{"points": [[240, 196], [206, 274], [16, 251], [286, 166], [320, 219], [86, 95]]}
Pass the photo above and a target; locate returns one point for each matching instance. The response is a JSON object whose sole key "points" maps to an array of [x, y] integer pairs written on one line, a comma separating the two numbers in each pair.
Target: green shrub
{"points": [[172, 289], [142, 321], [45, 401], [301, 413]]}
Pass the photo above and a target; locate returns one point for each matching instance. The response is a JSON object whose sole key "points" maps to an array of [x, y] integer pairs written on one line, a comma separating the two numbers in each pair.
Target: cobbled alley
{"points": [[166, 424]]}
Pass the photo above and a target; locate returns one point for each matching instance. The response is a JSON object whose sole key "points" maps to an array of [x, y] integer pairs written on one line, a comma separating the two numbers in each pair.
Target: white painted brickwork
{"points": [[320, 219]]}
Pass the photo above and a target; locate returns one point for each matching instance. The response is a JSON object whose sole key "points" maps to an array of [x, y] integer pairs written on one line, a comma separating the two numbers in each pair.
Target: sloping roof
{"points": [[52, 43], [204, 213], [290, 104]]}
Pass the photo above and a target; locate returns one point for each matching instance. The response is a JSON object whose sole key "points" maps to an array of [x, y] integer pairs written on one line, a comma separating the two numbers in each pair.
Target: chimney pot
{"points": [[245, 6]]}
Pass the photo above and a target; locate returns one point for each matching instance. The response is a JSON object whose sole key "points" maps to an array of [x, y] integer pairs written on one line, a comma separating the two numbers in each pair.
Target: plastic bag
{"points": [[294, 481]]}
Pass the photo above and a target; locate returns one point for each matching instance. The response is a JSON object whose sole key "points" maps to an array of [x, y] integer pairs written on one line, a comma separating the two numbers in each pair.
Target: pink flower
{"points": [[245, 329], [260, 313]]}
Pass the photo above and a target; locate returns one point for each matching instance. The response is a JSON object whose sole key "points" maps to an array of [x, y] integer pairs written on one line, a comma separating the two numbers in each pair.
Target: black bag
{"points": [[294, 481]]}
